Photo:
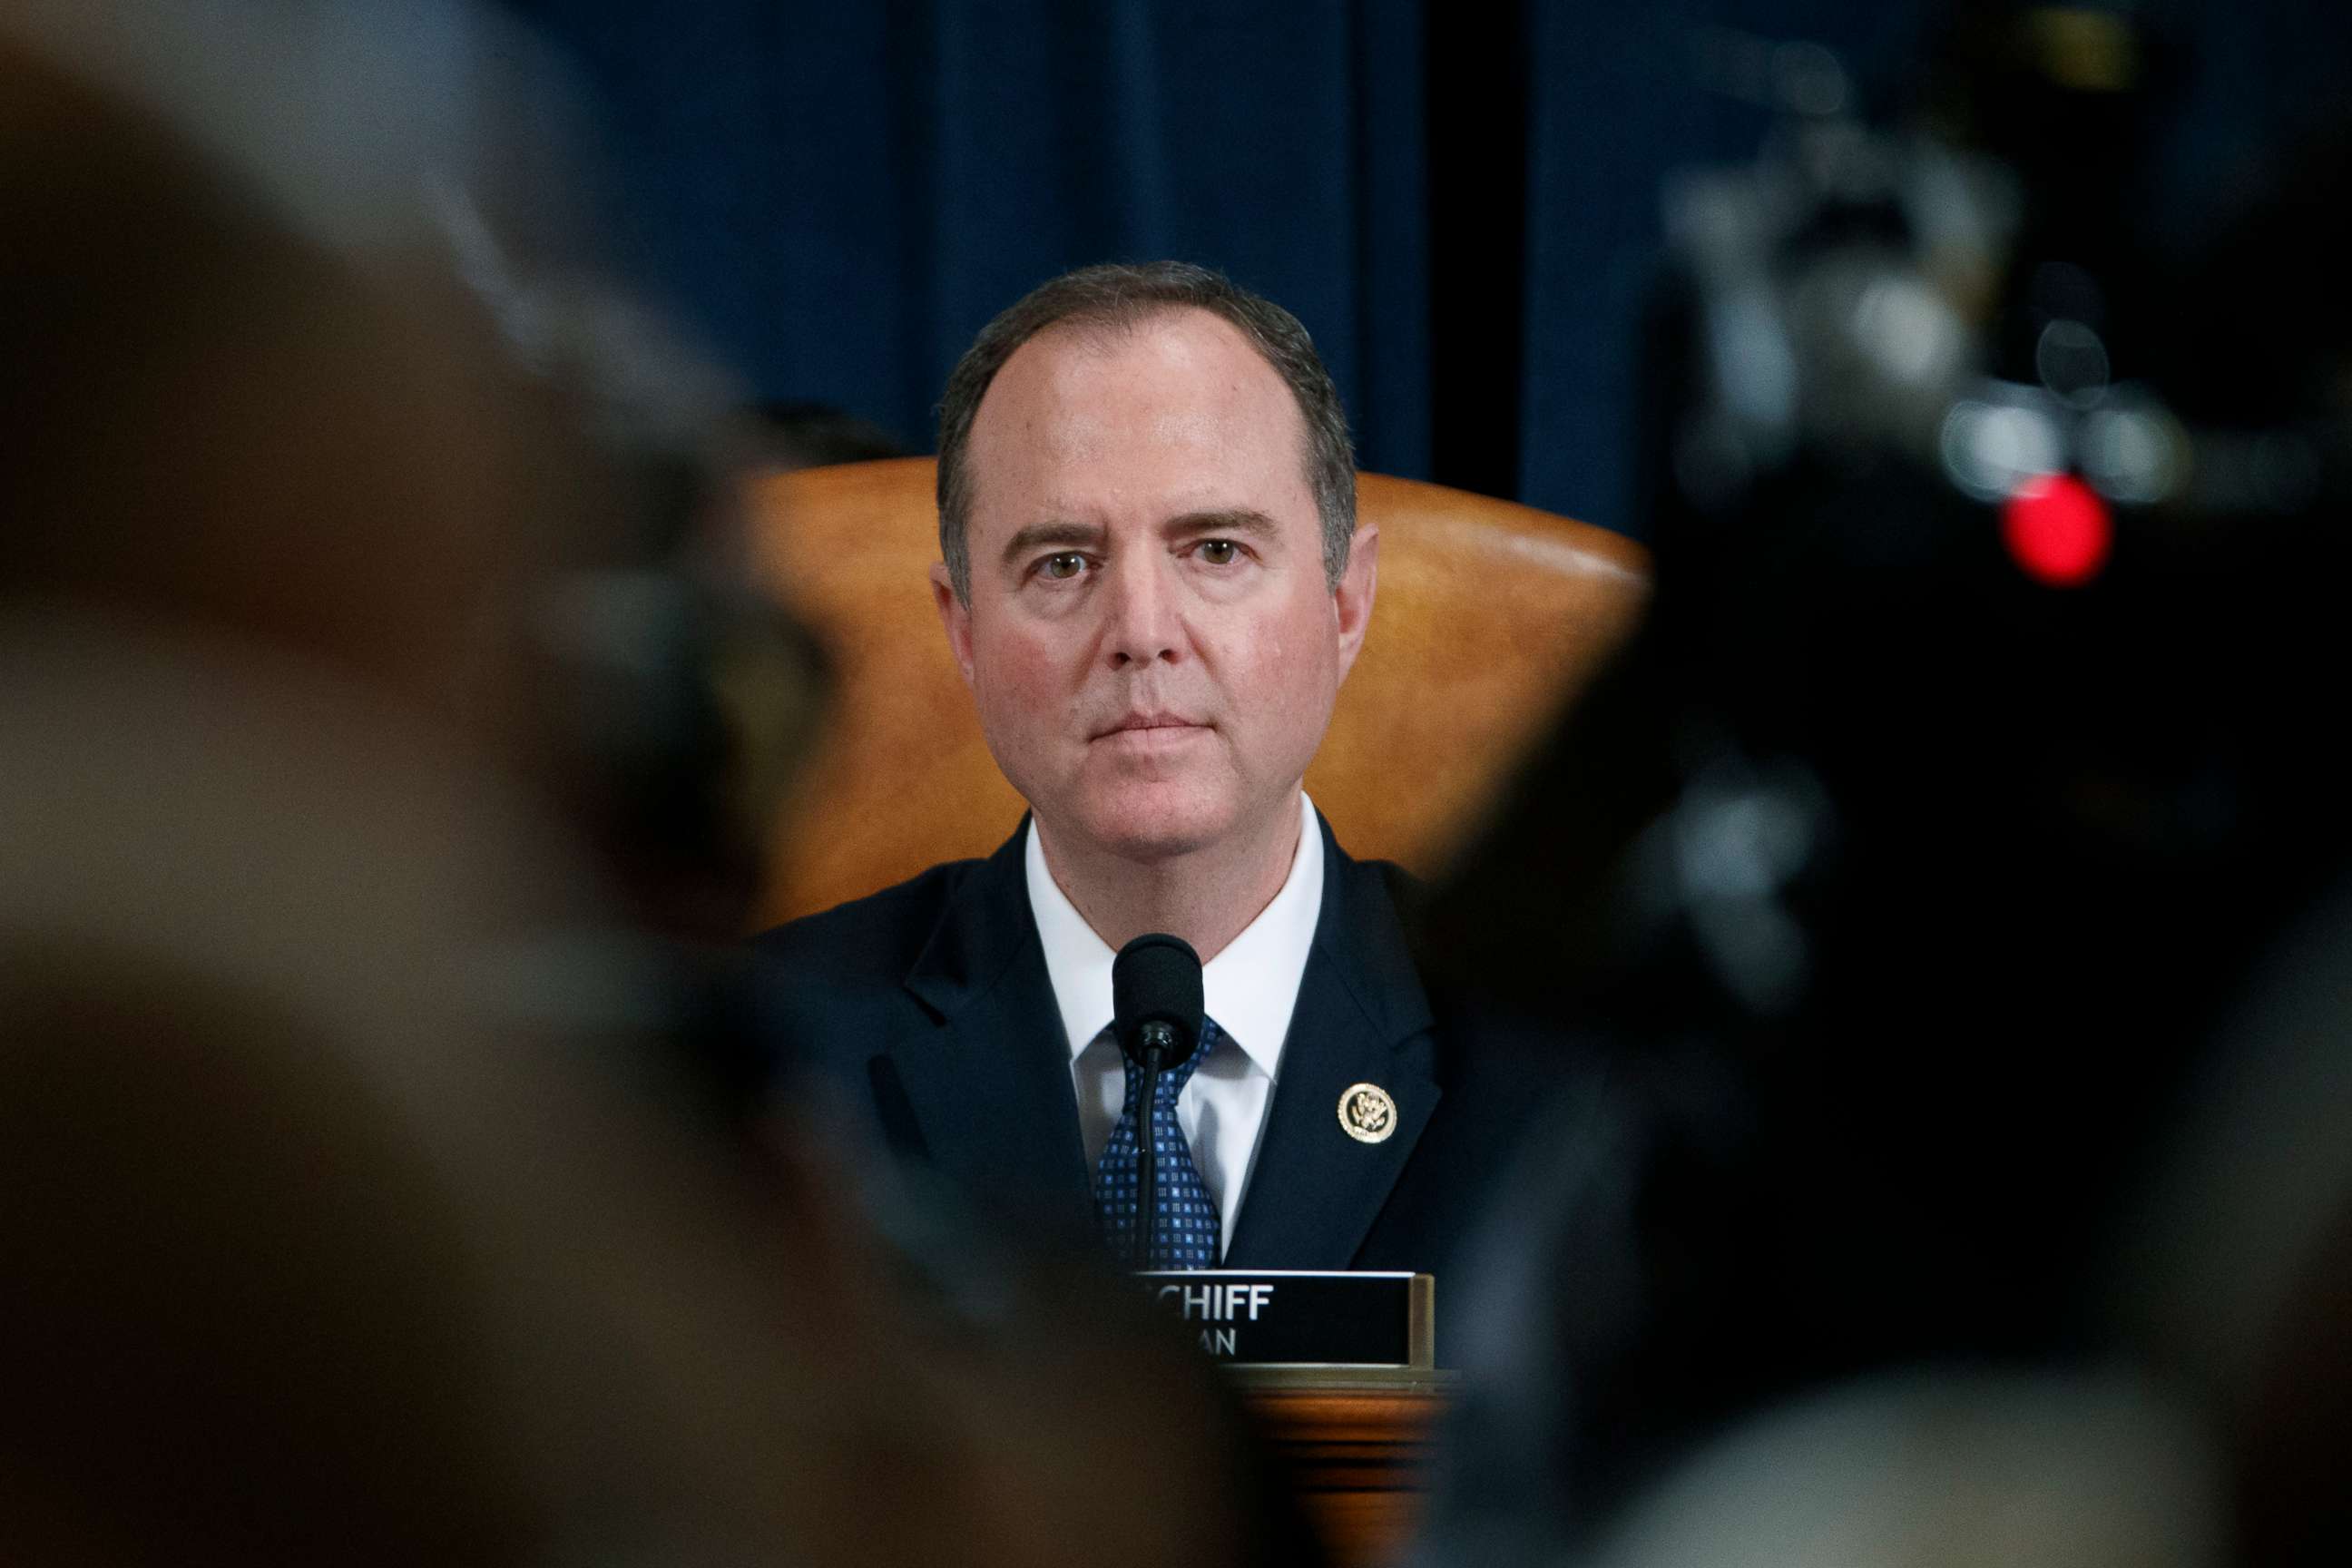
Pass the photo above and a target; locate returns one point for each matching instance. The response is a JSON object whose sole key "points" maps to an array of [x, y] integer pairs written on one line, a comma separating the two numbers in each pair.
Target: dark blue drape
{"points": [[842, 194], [1460, 199]]}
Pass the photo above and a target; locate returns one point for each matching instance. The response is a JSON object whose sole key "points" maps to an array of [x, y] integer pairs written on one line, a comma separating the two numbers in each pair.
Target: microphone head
{"points": [[1156, 978]]}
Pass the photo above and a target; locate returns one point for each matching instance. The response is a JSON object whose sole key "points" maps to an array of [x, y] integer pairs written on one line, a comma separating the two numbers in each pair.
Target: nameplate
{"points": [[1300, 1318]]}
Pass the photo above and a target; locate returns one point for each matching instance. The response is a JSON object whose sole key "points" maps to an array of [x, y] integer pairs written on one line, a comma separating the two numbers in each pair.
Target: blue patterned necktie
{"points": [[1186, 1234]]}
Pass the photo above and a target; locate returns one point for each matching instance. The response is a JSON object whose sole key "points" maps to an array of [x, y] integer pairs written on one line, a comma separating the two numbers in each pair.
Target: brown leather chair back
{"points": [[1490, 617]]}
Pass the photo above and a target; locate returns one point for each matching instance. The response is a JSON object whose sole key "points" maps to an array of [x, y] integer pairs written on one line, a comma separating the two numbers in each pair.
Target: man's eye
{"points": [[1219, 552], [1063, 567]]}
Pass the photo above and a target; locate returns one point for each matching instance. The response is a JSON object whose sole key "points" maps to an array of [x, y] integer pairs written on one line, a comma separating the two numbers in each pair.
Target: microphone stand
{"points": [[1155, 988], [1156, 1043]]}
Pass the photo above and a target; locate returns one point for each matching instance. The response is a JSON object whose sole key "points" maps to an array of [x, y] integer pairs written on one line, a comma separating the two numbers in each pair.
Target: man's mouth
{"points": [[1142, 725]]}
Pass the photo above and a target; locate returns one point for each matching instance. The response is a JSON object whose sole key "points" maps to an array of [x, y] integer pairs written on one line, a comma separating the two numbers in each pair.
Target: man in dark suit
{"points": [[1153, 582]]}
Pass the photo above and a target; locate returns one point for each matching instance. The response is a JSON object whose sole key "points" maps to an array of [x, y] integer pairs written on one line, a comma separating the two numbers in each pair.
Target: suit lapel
{"points": [[990, 1088], [1362, 1018]]}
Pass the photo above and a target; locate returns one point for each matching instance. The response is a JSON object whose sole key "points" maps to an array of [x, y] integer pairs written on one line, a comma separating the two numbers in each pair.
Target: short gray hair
{"points": [[1117, 296]]}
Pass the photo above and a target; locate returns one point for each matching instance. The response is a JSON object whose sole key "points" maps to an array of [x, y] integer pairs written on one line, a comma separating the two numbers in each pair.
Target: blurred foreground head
{"points": [[234, 409], [358, 1208], [307, 343], [299, 1142]]}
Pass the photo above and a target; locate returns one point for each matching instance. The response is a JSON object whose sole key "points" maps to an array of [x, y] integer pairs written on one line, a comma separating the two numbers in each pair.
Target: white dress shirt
{"points": [[1250, 989]]}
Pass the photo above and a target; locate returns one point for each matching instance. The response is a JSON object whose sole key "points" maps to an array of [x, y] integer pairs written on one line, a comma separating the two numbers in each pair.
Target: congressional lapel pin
{"points": [[1367, 1114]]}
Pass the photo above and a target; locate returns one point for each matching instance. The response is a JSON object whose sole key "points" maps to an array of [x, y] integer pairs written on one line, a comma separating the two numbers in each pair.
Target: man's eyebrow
{"points": [[1038, 535], [1229, 519]]}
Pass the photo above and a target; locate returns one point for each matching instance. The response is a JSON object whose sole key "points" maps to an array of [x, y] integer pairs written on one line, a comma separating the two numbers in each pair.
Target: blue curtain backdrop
{"points": [[844, 193], [1460, 199]]}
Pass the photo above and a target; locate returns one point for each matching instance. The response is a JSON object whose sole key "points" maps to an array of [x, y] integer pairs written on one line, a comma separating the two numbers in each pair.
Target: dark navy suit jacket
{"points": [[931, 1003]]}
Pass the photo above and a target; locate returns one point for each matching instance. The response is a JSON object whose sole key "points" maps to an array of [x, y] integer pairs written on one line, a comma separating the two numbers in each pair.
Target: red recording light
{"points": [[2057, 530]]}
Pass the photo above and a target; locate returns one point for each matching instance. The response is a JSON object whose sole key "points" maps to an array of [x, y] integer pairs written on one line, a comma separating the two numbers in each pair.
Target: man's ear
{"points": [[955, 616], [1353, 597]]}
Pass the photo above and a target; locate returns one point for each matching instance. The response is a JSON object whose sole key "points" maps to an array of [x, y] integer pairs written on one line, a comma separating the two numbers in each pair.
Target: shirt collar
{"points": [[1251, 988]]}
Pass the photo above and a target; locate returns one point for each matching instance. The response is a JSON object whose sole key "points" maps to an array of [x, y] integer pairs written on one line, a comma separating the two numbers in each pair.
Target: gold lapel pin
{"points": [[1367, 1114]]}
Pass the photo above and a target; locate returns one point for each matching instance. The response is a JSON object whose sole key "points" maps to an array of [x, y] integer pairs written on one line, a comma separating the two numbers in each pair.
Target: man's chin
{"points": [[1146, 831]]}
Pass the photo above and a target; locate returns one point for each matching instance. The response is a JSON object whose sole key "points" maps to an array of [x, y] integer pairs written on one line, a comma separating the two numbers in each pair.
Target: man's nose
{"points": [[1144, 625]]}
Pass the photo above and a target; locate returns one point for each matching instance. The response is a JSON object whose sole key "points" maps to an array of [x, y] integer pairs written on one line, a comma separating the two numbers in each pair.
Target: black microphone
{"points": [[1156, 1009]]}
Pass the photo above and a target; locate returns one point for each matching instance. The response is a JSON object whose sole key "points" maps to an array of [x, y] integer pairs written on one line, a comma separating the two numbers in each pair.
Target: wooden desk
{"points": [[1359, 1442]]}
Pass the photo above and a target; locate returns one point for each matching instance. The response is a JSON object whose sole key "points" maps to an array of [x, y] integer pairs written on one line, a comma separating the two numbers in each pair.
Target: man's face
{"points": [[1150, 639]]}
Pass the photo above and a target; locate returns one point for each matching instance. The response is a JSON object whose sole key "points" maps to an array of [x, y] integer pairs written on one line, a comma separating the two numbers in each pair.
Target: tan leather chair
{"points": [[1490, 617]]}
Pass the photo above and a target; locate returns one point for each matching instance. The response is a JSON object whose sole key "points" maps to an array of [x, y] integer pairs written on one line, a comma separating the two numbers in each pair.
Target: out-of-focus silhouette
{"points": [[1914, 864], [371, 1198]]}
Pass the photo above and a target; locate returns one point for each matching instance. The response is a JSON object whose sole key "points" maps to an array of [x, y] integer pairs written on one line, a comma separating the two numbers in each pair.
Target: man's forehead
{"points": [[1183, 383]]}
